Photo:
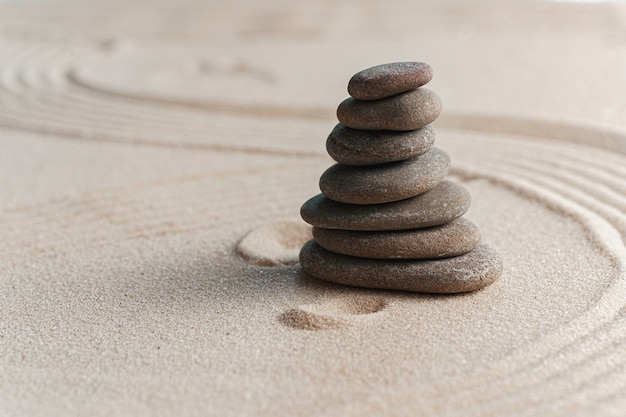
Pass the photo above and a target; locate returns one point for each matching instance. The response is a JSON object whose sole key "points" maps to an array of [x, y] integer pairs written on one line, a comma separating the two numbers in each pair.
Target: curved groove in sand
{"points": [[554, 130], [276, 243], [606, 139], [55, 100], [141, 212], [37, 91], [38, 97], [335, 312], [523, 373], [217, 106]]}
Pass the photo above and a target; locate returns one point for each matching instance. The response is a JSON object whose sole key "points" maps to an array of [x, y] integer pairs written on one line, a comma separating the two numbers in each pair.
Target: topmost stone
{"points": [[389, 79]]}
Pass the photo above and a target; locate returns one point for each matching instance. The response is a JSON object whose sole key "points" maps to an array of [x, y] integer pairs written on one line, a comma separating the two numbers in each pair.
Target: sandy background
{"points": [[140, 143]]}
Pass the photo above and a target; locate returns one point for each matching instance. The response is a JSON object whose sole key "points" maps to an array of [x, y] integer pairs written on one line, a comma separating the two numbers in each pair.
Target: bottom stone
{"points": [[472, 271]]}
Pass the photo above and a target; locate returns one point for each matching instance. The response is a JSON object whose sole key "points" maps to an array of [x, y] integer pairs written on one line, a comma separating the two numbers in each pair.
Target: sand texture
{"points": [[154, 158]]}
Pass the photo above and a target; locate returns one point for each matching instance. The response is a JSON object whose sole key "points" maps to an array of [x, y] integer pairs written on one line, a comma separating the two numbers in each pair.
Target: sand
{"points": [[141, 143]]}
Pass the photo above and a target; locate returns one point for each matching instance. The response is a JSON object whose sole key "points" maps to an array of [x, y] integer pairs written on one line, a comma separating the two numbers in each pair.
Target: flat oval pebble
{"points": [[369, 147], [407, 111], [452, 239], [389, 79], [385, 183], [446, 202], [469, 272]]}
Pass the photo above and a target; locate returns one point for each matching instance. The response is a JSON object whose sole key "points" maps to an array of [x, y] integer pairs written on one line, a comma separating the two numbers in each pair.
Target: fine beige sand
{"points": [[154, 157]]}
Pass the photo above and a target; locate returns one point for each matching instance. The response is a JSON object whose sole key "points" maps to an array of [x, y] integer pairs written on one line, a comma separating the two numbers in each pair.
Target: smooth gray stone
{"points": [[407, 111], [451, 239], [469, 272], [389, 79], [446, 202], [385, 183], [369, 147]]}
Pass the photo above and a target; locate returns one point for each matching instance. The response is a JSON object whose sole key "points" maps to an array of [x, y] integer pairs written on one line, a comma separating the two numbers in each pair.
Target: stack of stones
{"points": [[387, 218]]}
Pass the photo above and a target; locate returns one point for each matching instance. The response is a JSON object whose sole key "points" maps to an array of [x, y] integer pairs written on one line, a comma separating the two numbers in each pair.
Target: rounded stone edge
{"points": [[366, 224], [364, 193], [379, 81], [454, 238], [400, 112], [427, 276], [394, 146]]}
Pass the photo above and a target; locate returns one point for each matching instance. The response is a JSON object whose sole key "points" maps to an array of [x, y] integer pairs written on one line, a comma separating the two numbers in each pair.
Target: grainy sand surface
{"points": [[154, 157]]}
